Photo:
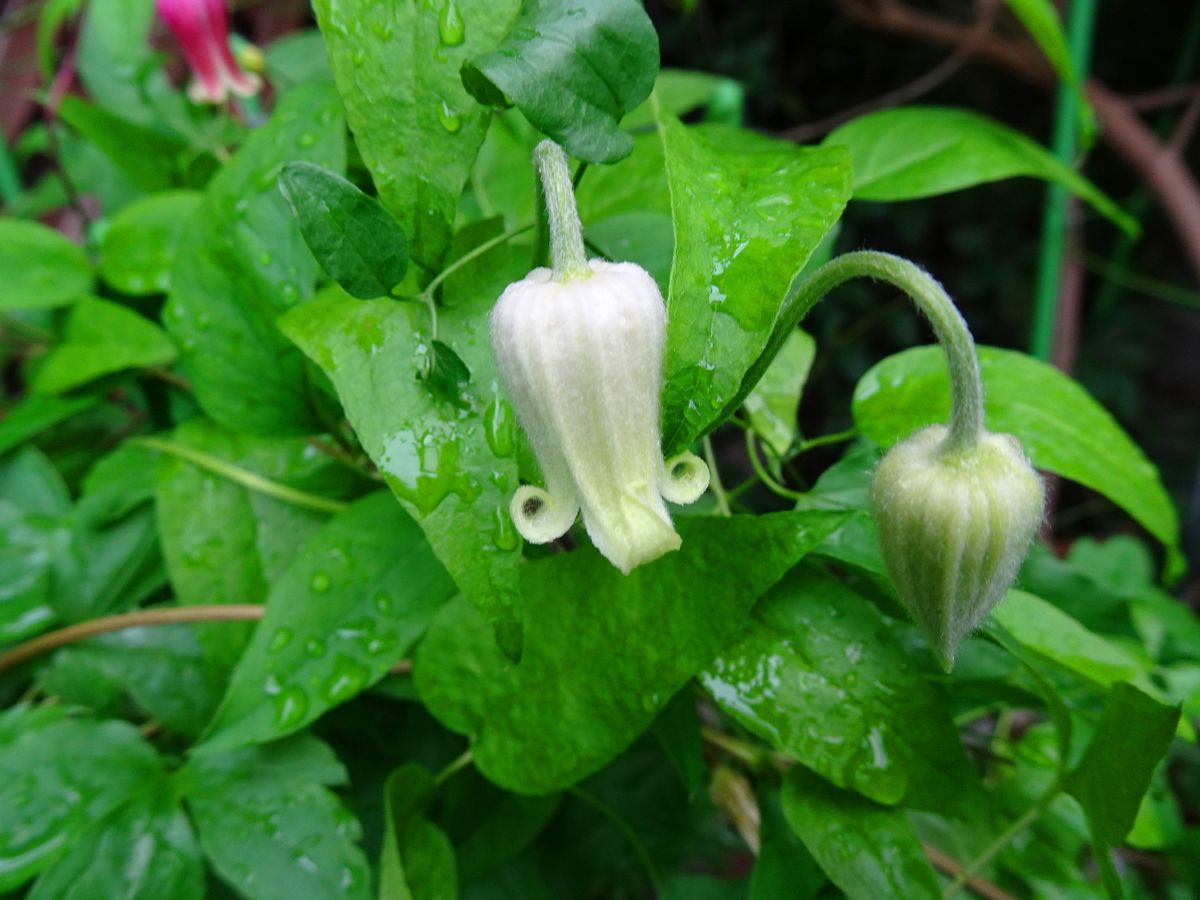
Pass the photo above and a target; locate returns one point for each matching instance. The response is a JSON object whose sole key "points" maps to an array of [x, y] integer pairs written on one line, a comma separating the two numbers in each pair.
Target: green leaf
{"points": [[146, 157], [1060, 426], [922, 151], [297, 57], [117, 484], [356, 241], [774, 402], [99, 338], [452, 465], [1048, 631], [500, 830], [33, 415], [747, 218], [574, 69], [1041, 20], [784, 869], [679, 90], [417, 860], [144, 850], [53, 14], [224, 543], [1112, 778], [352, 604], [602, 659], [57, 776], [868, 851], [827, 696], [138, 248], [163, 668], [246, 264], [41, 267], [269, 826], [396, 67], [116, 63]]}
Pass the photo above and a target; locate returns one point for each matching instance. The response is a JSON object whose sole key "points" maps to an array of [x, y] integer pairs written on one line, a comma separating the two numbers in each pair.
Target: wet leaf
{"points": [[604, 652], [138, 249], [355, 240], [819, 676], [270, 826], [452, 464], [747, 218], [144, 849], [396, 67], [246, 263], [224, 543], [57, 776], [867, 850], [352, 603], [574, 68]]}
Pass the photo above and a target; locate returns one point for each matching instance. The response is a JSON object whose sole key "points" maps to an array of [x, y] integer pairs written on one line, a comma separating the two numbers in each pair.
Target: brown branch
{"points": [[214, 612], [1164, 173], [73, 633], [948, 865], [1172, 95], [1187, 126]]}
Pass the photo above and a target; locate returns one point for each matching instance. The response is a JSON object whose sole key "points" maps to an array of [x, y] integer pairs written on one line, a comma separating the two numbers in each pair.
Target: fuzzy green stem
{"points": [[966, 384], [567, 253]]}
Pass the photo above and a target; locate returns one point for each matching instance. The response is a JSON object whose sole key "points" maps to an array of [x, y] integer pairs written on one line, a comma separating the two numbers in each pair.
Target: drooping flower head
{"points": [[580, 352], [201, 28]]}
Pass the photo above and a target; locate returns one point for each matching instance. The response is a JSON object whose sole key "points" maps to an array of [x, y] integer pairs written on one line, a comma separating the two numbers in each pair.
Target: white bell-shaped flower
{"points": [[580, 352]]}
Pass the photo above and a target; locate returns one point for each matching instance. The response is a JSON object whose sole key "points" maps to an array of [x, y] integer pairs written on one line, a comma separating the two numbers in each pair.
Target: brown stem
{"points": [[173, 615], [52, 640], [948, 865]]}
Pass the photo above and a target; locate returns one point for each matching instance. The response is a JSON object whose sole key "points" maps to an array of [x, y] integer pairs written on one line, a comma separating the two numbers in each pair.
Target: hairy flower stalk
{"points": [[201, 28], [580, 352], [956, 507]]}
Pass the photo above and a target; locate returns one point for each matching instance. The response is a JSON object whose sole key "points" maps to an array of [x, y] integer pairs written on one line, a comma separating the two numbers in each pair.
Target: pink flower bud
{"points": [[201, 28]]}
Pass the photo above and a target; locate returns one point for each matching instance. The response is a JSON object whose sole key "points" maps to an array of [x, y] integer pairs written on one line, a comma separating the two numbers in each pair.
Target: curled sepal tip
{"points": [[954, 526]]}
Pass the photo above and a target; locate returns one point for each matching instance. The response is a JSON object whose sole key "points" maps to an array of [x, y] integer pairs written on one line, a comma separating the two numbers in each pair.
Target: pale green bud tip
{"points": [[582, 360], [954, 528]]}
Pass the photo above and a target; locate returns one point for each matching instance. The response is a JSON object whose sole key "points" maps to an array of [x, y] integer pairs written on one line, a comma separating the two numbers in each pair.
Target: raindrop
{"points": [[291, 706], [320, 583], [347, 679], [314, 647], [280, 639], [452, 30], [307, 139], [384, 604], [450, 119]]}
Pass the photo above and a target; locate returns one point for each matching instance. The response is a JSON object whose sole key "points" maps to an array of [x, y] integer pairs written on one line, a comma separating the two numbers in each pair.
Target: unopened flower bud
{"points": [[954, 527], [201, 28], [581, 356]]}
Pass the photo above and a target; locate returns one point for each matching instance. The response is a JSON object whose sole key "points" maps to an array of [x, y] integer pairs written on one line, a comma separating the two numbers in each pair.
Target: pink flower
{"points": [[201, 28]]}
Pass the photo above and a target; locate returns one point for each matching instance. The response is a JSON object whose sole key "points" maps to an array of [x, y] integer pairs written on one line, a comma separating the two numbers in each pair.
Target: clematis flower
{"points": [[201, 28], [580, 352]]}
